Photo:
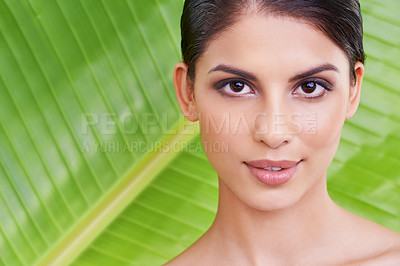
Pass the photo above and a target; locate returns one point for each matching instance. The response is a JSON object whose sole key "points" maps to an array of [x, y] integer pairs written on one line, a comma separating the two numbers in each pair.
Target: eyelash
{"points": [[221, 84], [325, 85]]}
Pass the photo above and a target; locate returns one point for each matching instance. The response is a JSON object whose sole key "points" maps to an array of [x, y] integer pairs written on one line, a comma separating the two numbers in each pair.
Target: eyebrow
{"points": [[234, 71], [315, 70], [250, 76]]}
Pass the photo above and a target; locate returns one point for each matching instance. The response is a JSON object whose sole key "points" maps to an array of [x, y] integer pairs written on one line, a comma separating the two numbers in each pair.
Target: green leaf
{"points": [[97, 166]]}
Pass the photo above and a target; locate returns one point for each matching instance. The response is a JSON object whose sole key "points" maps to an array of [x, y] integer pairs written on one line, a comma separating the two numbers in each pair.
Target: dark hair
{"points": [[203, 20]]}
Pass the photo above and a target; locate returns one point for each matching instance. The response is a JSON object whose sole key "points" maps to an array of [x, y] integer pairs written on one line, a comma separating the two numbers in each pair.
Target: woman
{"points": [[274, 82]]}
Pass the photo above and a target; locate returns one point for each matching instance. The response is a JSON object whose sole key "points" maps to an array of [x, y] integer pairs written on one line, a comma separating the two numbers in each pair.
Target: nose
{"points": [[273, 126], [271, 131]]}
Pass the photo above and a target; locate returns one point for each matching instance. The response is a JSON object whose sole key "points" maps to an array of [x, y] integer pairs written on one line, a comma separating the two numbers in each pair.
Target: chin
{"points": [[271, 201], [258, 196]]}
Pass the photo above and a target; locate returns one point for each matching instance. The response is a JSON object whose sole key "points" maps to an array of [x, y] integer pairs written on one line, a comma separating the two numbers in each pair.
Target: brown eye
{"points": [[236, 86], [309, 87]]}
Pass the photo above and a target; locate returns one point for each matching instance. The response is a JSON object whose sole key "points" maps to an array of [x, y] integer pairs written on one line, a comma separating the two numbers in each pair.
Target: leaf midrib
{"points": [[78, 238]]}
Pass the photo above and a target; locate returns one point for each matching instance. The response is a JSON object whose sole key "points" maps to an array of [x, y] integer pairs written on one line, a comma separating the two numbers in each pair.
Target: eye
{"points": [[311, 89], [236, 88]]}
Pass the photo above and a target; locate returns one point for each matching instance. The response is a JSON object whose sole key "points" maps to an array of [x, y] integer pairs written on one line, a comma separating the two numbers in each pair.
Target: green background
{"points": [[85, 90]]}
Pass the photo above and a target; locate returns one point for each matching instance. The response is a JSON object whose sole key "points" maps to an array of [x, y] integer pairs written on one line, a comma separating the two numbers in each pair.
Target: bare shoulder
{"points": [[391, 256], [178, 260], [378, 245], [194, 255], [188, 257], [202, 252], [185, 258], [387, 258]]}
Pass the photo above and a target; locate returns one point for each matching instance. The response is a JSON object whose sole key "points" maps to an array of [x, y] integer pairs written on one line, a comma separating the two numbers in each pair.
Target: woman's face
{"points": [[270, 90]]}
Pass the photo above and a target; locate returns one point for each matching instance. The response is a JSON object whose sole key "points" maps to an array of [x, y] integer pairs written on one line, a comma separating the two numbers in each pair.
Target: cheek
{"points": [[223, 127], [325, 127], [220, 120], [214, 126], [216, 139], [225, 133]]}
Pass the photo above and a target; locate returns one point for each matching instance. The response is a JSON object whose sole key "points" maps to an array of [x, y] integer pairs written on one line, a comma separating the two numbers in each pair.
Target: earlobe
{"points": [[184, 92], [355, 90]]}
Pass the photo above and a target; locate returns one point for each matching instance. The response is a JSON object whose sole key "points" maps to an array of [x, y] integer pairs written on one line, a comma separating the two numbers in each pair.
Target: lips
{"points": [[273, 173]]}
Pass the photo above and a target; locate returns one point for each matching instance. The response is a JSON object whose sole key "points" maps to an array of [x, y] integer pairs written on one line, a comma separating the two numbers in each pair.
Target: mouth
{"points": [[273, 173]]}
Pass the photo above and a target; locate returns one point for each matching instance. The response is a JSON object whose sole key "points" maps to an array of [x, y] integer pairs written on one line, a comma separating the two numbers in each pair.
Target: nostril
{"points": [[274, 142]]}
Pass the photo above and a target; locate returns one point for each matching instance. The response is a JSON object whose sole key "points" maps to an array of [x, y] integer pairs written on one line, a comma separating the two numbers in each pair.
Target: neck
{"points": [[251, 235]]}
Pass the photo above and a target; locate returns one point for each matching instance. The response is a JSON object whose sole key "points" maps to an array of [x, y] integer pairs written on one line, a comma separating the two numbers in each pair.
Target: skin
{"points": [[268, 117]]}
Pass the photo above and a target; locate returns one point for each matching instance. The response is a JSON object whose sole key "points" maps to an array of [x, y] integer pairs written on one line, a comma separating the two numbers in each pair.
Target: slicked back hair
{"points": [[203, 20]]}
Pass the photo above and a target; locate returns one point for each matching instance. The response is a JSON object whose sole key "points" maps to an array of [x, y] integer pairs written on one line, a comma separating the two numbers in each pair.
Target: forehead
{"points": [[271, 44]]}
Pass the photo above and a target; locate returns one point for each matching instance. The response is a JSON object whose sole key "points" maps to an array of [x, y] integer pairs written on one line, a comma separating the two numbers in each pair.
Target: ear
{"points": [[355, 89], [184, 92]]}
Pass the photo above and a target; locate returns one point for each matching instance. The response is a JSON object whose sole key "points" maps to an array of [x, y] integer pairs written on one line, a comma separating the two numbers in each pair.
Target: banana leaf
{"points": [[97, 165]]}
